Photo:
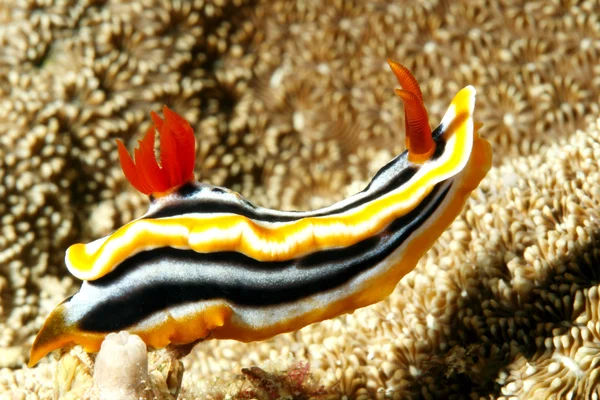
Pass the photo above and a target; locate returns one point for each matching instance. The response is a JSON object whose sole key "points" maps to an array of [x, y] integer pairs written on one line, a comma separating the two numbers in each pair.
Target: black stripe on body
{"points": [[150, 281], [390, 177]]}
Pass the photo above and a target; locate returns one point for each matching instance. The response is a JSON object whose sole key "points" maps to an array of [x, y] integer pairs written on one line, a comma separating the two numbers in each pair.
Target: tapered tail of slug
{"points": [[59, 331], [53, 335]]}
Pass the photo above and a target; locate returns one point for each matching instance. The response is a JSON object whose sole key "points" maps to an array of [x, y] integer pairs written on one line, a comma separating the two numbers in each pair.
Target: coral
{"points": [[121, 367], [294, 382], [293, 105]]}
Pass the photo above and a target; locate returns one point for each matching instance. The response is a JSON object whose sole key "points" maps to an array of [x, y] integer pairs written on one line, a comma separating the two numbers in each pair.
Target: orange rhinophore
{"points": [[177, 156], [419, 141]]}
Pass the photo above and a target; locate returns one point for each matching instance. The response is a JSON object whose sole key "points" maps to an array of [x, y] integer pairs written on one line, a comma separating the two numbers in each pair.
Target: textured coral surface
{"points": [[293, 106]]}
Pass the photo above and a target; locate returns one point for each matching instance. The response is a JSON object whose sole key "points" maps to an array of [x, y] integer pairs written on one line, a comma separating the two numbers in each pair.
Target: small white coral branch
{"points": [[121, 370]]}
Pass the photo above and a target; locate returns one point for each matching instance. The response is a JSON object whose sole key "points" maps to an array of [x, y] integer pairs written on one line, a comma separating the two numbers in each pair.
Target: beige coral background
{"points": [[293, 106]]}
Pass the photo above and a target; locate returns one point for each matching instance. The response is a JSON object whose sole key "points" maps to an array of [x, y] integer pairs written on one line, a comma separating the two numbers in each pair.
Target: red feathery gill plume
{"points": [[177, 156]]}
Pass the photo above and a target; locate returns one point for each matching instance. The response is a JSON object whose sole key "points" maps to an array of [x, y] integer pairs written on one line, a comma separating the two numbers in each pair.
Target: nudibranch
{"points": [[205, 261]]}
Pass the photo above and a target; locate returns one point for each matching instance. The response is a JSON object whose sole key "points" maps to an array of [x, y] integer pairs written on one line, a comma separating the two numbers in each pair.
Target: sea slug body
{"points": [[205, 261]]}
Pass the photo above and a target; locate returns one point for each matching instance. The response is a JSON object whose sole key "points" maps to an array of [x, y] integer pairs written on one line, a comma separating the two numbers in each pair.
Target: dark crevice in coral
{"points": [[488, 349]]}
